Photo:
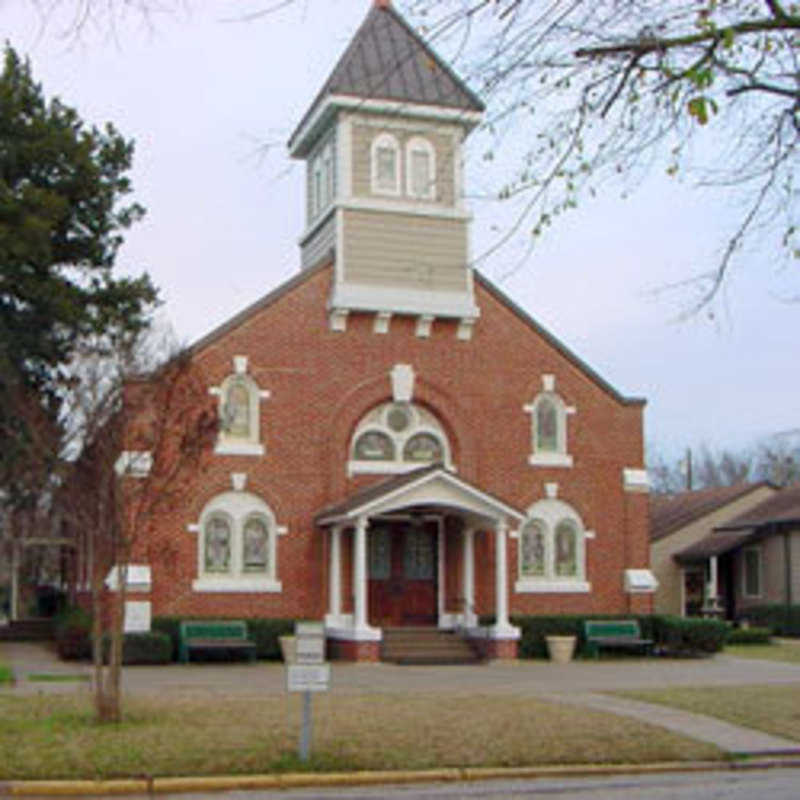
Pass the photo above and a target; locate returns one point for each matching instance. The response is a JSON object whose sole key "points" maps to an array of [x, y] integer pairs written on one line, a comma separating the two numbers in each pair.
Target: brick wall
{"points": [[322, 382]]}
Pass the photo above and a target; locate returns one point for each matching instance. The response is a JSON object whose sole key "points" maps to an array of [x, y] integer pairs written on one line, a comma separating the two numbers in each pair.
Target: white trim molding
{"points": [[547, 586]]}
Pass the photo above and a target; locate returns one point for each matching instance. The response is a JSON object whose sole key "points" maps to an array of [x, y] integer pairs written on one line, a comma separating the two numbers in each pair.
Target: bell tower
{"points": [[382, 143]]}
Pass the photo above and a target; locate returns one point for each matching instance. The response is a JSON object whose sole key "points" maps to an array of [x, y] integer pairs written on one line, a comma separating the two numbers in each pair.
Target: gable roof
{"points": [[393, 490], [783, 506], [669, 512], [388, 60]]}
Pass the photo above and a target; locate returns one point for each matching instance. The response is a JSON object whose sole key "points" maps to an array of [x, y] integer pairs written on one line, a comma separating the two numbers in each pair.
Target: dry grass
{"points": [[55, 737], [770, 652], [772, 709]]}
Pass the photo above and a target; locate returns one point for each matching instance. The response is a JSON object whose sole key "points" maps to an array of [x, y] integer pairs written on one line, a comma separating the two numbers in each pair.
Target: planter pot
{"points": [[288, 648], [560, 648]]}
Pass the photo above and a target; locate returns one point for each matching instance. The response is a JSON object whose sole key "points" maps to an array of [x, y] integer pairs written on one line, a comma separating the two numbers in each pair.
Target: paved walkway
{"points": [[579, 682]]}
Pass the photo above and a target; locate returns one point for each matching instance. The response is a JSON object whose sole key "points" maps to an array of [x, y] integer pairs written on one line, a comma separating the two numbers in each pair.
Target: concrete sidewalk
{"points": [[577, 683]]}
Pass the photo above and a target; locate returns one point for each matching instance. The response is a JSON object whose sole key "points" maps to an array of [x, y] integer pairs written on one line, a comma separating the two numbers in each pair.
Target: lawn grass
{"points": [[772, 709], [55, 736], [770, 652], [6, 674], [56, 677]]}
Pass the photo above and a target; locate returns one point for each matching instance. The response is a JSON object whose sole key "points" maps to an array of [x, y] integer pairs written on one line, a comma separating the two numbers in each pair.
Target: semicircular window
{"points": [[398, 437], [423, 448], [374, 446]]}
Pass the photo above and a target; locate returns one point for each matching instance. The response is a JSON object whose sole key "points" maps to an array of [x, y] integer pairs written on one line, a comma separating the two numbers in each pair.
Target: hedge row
{"points": [[782, 620], [672, 635], [749, 636], [74, 641]]}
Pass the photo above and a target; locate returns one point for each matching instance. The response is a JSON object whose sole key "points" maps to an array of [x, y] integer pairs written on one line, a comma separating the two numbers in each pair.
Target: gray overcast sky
{"points": [[199, 95]]}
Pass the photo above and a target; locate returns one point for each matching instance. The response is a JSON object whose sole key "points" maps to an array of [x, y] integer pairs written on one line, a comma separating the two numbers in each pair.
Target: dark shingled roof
{"points": [[783, 506], [669, 512], [715, 544], [388, 60]]}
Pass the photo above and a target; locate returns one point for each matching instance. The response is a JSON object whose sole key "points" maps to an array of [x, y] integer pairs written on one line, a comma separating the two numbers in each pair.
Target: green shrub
{"points": [[264, 632], [679, 636], [673, 635], [73, 631], [782, 620], [749, 636], [146, 648]]}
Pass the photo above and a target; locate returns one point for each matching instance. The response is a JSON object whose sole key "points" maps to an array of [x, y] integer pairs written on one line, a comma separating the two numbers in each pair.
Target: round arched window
{"points": [[423, 447], [374, 446]]}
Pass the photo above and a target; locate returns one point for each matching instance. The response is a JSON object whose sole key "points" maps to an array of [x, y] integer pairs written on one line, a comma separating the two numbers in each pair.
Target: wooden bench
{"points": [[615, 633], [214, 635]]}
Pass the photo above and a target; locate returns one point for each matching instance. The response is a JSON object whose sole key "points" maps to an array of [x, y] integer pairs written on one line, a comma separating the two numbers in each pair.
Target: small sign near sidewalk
{"points": [[309, 674]]}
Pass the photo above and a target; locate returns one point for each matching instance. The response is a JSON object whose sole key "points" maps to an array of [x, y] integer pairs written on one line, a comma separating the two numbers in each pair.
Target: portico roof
{"points": [[429, 486]]}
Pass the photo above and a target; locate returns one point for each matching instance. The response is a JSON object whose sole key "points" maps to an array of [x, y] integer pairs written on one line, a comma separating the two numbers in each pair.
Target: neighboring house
{"points": [[679, 522], [753, 559], [401, 445]]}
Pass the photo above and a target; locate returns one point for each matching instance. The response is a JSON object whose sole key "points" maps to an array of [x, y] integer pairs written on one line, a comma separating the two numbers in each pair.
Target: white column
{"points": [[713, 582], [501, 577], [335, 577], [360, 574], [468, 588], [14, 581]]}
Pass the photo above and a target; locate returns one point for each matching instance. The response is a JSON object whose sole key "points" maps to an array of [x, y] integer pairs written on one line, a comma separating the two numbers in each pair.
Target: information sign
{"points": [[308, 677]]}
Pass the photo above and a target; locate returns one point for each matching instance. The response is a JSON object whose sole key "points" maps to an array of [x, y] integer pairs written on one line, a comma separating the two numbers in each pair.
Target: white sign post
{"points": [[309, 674]]}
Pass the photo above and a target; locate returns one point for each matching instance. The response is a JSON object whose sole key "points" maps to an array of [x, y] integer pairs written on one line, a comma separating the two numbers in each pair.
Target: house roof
{"points": [[715, 544], [388, 60], [394, 489], [782, 507], [670, 512]]}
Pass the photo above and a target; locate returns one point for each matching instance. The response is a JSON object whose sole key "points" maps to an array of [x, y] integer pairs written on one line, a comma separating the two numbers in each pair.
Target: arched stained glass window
{"points": [[546, 426], [566, 549], [236, 410], [374, 446], [217, 544], [423, 448], [255, 545], [532, 549]]}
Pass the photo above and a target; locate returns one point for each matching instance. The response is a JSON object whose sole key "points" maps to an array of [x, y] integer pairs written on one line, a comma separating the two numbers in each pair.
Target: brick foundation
{"points": [[494, 649], [341, 650]]}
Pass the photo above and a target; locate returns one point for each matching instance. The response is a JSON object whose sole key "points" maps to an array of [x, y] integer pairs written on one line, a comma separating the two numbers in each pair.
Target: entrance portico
{"points": [[401, 560]]}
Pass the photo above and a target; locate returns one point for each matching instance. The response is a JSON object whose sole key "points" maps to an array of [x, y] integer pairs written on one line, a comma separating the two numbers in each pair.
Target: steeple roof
{"points": [[387, 60]]}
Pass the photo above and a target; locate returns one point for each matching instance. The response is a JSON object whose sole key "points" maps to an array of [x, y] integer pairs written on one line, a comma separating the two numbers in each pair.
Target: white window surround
{"points": [[421, 421], [759, 572], [549, 513], [383, 142], [227, 443], [419, 145], [237, 508], [540, 455]]}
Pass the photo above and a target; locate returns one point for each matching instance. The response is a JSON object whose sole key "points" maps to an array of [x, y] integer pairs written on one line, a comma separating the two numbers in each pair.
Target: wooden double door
{"points": [[401, 571]]}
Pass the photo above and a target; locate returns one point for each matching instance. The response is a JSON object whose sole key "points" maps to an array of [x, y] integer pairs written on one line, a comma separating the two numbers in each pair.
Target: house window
{"points": [[549, 428], [239, 413], [237, 545], [552, 550], [385, 165], [751, 569], [420, 169], [396, 437]]}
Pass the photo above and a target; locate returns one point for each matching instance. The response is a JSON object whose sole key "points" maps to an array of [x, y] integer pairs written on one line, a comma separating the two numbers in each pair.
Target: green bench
{"points": [[211, 635], [616, 634]]}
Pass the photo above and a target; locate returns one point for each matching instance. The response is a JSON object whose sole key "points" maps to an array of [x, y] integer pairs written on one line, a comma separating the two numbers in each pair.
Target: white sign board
{"points": [[308, 677], [310, 650], [137, 616]]}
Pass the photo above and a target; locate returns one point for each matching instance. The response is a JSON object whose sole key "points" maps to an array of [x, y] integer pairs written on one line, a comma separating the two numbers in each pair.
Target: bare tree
{"points": [[141, 439]]}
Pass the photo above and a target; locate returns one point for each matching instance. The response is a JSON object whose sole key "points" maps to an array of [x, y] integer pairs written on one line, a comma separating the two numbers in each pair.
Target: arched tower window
{"points": [[385, 165]]}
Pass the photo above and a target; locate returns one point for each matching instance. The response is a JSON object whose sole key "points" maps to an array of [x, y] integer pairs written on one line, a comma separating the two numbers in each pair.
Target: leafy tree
{"points": [[606, 88], [62, 186]]}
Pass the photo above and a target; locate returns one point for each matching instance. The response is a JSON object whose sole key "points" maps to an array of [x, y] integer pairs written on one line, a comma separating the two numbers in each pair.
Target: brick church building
{"points": [[400, 444]]}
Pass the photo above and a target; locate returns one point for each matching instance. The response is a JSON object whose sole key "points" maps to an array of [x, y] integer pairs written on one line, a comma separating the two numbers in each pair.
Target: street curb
{"points": [[297, 780]]}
